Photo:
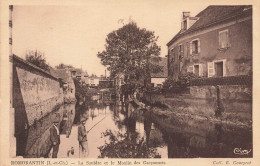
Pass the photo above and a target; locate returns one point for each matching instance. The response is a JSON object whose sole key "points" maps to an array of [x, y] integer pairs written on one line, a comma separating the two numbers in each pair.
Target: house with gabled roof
{"points": [[217, 42]]}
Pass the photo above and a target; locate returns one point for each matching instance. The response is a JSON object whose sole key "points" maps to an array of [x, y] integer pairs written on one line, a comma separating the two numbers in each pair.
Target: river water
{"points": [[126, 132]]}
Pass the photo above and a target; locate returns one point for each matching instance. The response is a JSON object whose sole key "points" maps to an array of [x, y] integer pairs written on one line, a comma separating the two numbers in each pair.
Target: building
{"points": [[79, 74], [94, 81], [217, 42], [68, 84], [158, 78]]}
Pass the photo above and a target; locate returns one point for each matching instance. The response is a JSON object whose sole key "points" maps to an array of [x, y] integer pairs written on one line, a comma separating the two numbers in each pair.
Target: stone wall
{"points": [[227, 92], [234, 98], [36, 94]]}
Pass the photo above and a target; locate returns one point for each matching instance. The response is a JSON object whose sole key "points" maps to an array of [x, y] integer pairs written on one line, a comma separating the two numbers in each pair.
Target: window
{"points": [[195, 46], [180, 51], [172, 55], [184, 24], [172, 51], [223, 39], [217, 68], [196, 69]]}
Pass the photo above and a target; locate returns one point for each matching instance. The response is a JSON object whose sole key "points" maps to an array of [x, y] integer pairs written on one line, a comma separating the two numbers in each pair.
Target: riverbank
{"points": [[188, 108]]}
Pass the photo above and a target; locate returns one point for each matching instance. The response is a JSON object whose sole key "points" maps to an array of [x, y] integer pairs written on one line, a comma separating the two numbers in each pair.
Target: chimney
{"points": [[185, 15]]}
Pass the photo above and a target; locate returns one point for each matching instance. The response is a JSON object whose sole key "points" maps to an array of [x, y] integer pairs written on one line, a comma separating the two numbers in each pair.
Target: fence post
{"points": [[220, 108]]}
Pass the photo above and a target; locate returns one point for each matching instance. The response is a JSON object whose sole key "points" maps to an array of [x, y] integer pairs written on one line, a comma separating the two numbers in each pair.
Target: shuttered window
{"points": [[223, 39], [200, 70], [211, 71], [196, 69]]}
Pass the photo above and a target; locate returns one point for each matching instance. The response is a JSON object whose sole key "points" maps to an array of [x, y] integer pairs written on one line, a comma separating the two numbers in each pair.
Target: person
{"points": [[82, 138], [55, 137]]}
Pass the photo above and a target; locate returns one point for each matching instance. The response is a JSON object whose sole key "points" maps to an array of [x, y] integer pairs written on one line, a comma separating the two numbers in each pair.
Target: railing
{"points": [[230, 80]]}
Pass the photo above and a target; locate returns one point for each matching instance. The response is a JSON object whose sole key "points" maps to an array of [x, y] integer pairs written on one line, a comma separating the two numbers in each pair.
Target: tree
{"points": [[128, 50], [38, 59]]}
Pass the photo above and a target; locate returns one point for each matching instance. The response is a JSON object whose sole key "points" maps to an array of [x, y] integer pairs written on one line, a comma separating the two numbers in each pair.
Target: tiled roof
{"points": [[164, 72], [213, 15]]}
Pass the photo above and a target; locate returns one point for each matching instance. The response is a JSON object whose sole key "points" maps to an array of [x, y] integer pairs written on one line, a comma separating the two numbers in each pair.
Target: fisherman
{"points": [[82, 138], [55, 137]]}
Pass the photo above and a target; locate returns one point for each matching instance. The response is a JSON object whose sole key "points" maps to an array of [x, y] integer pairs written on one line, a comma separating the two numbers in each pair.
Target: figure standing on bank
{"points": [[82, 138], [55, 137]]}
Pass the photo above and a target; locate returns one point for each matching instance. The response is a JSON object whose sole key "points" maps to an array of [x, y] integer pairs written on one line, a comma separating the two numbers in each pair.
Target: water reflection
{"points": [[35, 141], [128, 132]]}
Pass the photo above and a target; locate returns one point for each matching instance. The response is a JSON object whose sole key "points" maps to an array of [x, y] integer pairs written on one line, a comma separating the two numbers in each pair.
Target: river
{"points": [[127, 132]]}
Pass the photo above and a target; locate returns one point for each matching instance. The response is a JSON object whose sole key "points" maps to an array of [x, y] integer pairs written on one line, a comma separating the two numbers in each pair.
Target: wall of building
{"points": [[69, 91], [35, 94], [238, 56]]}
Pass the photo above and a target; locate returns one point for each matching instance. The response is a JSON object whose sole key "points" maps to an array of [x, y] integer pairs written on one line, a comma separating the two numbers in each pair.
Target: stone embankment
{"points": [[36, 93], [236, 105]]}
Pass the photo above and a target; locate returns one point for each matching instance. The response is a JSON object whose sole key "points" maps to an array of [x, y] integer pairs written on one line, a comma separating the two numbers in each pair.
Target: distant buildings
{"points": [[80, 75], [68, 84], [93, 81], [158, 78], [215, 43]]}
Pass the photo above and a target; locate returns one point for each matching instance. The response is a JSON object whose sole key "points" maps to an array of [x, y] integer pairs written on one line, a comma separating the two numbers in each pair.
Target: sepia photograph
{"points": [[117, 79]]}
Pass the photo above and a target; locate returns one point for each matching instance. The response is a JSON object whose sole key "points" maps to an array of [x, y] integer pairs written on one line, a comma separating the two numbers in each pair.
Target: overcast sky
{"points": [[74, 34]]}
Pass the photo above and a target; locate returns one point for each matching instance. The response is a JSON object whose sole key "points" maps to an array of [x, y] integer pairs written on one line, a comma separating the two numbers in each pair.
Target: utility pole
{"points": [[12, 110]]}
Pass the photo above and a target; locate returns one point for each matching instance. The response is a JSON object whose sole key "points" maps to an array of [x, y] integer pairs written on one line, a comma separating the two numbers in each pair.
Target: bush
{"points": [[179, 85]]}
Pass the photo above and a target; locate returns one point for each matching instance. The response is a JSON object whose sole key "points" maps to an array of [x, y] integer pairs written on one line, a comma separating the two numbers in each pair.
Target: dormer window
{"points": [[187, 21], [184, 24]]}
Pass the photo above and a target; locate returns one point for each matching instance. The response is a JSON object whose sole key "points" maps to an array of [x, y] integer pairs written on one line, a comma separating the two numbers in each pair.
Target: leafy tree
{"points": [[38, 59], [128, 50]]}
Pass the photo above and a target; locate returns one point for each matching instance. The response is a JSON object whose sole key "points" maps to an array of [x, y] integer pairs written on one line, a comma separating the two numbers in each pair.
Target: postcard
{"points": [[112, 82]]}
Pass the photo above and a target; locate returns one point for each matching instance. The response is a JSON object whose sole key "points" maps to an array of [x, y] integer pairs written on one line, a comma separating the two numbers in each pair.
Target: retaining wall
{"points": [[36, 93]]}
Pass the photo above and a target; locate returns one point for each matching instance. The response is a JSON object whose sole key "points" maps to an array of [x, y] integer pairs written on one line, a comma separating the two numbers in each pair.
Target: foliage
{"points": [[182, 83], [128, 51], [63, 66], [80, 90], [120, 146], [38, 59], [184, 80]]}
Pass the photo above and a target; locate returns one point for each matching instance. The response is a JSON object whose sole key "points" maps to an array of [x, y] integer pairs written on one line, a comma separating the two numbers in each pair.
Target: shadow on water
{"points": [[195, 138], [37, 143], [176, 137]]}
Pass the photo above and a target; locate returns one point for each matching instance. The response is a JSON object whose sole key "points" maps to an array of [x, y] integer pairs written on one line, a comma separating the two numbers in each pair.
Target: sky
{"points": [[75, 34]]}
